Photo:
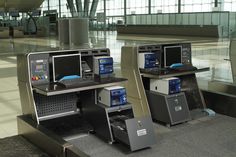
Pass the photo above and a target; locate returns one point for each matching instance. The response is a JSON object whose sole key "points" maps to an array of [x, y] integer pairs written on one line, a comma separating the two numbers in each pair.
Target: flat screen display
{"points": [[36, 13], [172, 55], [2, 13], [14, 13], [66, 65]]}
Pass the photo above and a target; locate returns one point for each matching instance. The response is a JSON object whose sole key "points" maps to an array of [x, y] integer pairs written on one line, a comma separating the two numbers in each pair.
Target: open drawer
{"points": [[137, 133]]}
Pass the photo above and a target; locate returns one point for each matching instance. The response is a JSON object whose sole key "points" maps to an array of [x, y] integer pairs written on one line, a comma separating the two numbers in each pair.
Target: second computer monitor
{"points": [[65, 66], [172, 55]]}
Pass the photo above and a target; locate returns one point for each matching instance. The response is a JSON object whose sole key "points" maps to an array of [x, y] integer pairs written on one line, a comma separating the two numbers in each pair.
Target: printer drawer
{"points": [[138, 133], [120, 134]]}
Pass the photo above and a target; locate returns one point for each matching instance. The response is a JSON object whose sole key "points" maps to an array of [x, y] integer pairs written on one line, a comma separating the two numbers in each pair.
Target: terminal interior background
{"points": [[213, 52]]}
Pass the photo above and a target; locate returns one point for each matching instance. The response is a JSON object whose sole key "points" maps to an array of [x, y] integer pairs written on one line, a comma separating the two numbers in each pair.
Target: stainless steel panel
{"points": [[178, 108], [141, 133], [26, 98], [41, 137]]}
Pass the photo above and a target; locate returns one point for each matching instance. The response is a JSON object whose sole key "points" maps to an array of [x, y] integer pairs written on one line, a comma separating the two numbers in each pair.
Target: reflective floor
{"points": [[210, 52]]}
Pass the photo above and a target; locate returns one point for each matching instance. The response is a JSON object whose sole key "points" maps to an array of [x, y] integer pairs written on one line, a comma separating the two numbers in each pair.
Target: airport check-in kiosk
{"points": [[162, 81], [56, 108]]}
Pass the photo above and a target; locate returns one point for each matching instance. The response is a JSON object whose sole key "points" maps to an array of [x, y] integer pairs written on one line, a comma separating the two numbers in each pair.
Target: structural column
{"points": [[179, 6], [125, 12], [86, 8], [216, 3], [48, 5], [71, 7], [78, 31], [59, 8], [105, 14], [79, 8], [93, 8], [149, 6]]}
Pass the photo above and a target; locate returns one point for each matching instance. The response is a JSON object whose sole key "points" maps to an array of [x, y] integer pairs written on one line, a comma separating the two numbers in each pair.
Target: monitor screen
{"points": [[2, 13], [66, 65], [14, 13], [36, 13], [172, 55]]}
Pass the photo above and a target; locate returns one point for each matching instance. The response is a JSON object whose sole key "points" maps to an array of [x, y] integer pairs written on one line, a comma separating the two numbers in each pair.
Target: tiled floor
{"points": [[9, 96], [206, 52]]}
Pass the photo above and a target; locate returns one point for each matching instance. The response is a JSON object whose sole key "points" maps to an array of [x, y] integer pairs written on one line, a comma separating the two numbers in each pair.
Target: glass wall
{"points": [[100, 7], [164, 6], [137, 6], [116, 7], [229, 5], [45, 5], [65, 12], [197, 5], [54, 5]]}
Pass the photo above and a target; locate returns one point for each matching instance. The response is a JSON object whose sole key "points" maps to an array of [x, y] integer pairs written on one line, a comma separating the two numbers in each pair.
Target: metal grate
{"points": [[50, 105]]}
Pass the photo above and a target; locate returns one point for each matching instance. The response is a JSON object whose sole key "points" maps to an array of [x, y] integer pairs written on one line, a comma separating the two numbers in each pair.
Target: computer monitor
{"points": [[65, 66], [2, 13], [36, 12], [14, 13], [172, 55]]}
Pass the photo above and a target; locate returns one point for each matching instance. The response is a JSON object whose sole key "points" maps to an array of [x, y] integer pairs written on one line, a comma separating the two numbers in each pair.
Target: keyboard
{"points": [[185, 68], [76, 82], [157, 70]]}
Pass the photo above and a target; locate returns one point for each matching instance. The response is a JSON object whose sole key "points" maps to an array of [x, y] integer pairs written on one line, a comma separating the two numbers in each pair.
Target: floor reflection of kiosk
{"points": [[63, 95], [165, 78]]}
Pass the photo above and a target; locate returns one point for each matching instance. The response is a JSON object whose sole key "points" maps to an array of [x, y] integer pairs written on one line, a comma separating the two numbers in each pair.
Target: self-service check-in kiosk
{"points": [[61, 98]]}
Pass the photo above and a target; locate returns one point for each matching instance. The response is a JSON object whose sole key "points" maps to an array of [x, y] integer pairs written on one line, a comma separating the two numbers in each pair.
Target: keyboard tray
{"points": [[76, 82]]}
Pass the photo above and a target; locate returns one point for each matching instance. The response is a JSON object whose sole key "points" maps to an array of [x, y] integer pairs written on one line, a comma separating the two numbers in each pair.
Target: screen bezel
{"points": [[166, 47], [68, 55]]}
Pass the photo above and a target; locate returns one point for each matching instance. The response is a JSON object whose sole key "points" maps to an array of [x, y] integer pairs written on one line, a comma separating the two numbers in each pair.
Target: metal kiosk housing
{"points": [[53, 113]]}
